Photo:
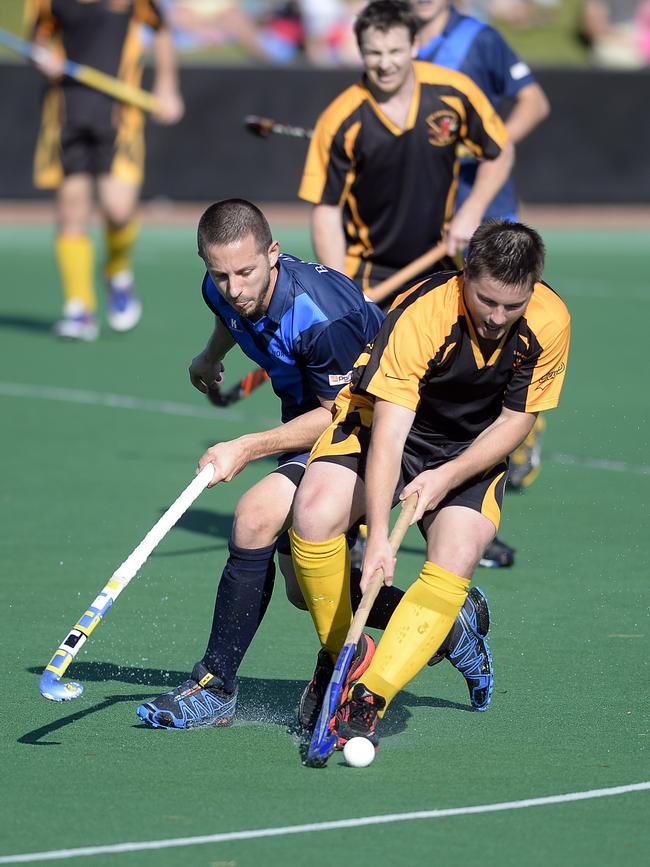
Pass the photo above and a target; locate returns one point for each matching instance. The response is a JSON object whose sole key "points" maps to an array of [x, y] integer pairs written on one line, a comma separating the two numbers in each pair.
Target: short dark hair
{"points": [[383, 15], [231, 220], [511, 253]]}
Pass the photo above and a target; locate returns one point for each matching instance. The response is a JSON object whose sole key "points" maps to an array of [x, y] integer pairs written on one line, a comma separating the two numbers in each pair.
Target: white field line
{"points": [[122, 401], [284, 831], [598, 464], [165, 407]]}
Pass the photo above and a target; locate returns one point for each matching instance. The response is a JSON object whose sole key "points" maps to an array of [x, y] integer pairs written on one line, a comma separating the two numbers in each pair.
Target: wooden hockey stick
{"points": [[323, 742], [382, 290]]}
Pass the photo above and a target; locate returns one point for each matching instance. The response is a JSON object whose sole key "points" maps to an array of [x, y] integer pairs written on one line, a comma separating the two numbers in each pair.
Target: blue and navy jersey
{"points": [[317, 323], [473, 47]]}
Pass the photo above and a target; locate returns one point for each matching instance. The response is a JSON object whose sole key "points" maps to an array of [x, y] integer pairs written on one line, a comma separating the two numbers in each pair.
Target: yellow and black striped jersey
{"points": [[105, 34], [427, 357], [397, 186]]}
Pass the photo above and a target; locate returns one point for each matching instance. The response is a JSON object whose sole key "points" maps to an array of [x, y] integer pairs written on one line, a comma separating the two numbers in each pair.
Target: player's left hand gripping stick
{"points": [[50, 683]]}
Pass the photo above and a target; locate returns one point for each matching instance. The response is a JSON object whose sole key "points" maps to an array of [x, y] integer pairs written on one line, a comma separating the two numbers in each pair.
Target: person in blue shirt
{"points": [[460, 42], [305, 324], [463, 43]]}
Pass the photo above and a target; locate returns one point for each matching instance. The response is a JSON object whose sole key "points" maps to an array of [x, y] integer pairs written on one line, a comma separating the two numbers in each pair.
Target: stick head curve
{"points": [[55, 690]]}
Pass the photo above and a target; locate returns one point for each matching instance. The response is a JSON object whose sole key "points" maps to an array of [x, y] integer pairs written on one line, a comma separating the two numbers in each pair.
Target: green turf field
{"points": [[98, 440]]}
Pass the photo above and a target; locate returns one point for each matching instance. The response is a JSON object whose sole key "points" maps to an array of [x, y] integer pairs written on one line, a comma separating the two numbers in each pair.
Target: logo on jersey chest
{"points": [[519, 355], [518, 360], [443, 127]]}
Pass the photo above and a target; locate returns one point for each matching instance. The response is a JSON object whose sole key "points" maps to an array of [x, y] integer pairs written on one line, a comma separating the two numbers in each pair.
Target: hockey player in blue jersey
{"points": [[305, 325]]}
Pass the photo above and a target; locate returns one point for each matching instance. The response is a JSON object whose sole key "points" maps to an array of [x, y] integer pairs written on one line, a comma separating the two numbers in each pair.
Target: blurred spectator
{"points": [[643, 30], [617, 32], [199, 24], [518, 13], [275, 32], [329, 35]]}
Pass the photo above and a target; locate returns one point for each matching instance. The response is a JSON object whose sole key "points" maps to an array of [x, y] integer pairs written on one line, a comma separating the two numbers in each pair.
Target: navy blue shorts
{"points": [[292, 465]]}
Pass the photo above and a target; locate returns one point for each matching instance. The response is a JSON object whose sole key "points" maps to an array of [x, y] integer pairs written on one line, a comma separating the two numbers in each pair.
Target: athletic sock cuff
{"points": [[315, 553], [440, 578], [250, 565], [323, 573], [250, 553], [450, 589]]}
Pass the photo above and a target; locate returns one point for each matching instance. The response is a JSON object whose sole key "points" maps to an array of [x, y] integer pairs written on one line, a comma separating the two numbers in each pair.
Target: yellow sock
{"points": [[75, 258], [120, 241], [323, 572], [418, 627]]}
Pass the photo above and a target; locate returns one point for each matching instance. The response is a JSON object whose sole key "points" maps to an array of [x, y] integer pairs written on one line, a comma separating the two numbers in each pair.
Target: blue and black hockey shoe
{"points": [[467, 649], [196, 703]]}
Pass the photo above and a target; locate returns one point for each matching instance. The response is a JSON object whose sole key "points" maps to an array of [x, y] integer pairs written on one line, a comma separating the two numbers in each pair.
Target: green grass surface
{"points": [[82, 484]]}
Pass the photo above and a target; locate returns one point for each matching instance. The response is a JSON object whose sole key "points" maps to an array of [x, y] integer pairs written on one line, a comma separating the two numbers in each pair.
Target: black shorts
{"points": [[97, 142], [292, 465], [87, 150], [346, 444]]}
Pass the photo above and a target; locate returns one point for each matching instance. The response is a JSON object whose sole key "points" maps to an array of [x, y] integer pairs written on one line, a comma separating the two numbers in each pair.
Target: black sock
{"points": [[386, 602], [242, 599]]}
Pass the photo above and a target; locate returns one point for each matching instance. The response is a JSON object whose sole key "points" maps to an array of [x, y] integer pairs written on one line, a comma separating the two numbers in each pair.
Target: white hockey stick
{"points": [[50, 683]]}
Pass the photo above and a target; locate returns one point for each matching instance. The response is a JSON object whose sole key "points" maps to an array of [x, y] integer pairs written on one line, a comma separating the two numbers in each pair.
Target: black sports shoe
{"points": [[467, 649], [312, 698], [497, 555], [198, 702], [357, 717]]}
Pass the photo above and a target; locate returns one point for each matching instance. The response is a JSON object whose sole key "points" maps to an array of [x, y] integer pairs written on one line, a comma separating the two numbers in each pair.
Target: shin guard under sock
{"points": [[418, 627], [75, 258], [242, 599], [120, 241], [323, 572]]}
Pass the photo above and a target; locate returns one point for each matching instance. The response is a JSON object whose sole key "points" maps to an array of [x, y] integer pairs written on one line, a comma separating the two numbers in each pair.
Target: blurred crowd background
{"points": [[611, 33]]}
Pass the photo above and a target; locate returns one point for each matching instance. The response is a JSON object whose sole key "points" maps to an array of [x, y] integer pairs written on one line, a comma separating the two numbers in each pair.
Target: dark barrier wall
{"points": [[593, 149]]}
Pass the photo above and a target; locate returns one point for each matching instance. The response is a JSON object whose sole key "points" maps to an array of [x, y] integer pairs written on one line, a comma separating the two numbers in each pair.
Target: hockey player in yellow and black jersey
{"points": [[451, 385], [382, 166], [88, 139]]}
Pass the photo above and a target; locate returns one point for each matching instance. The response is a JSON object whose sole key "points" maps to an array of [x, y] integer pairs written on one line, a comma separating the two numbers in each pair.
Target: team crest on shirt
{"points": [[518, 360], [519, 355], [443, 127]]}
